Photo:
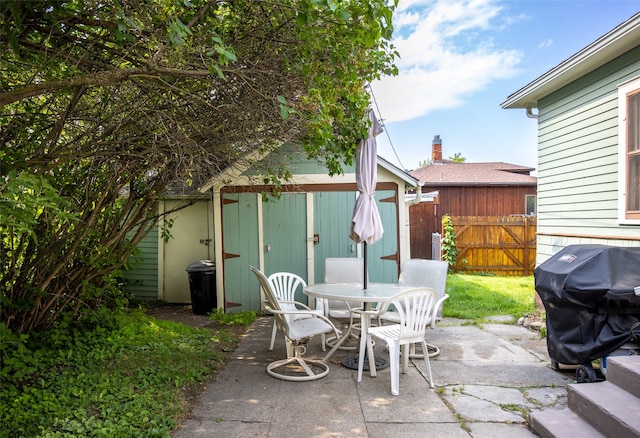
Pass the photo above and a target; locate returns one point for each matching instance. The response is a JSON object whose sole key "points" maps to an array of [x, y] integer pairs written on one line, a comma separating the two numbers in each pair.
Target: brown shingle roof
{"points": [[453, 173]]}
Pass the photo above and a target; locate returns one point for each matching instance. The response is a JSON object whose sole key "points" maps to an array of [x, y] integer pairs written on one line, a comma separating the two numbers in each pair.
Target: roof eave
{"points": [[623, 38], [427, 184], [409, 180]]}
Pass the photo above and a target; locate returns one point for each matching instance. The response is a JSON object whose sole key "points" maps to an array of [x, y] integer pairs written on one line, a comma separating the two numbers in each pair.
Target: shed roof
{"points": [[232, 173], [409, 179], [450, 173], [621, 39]]}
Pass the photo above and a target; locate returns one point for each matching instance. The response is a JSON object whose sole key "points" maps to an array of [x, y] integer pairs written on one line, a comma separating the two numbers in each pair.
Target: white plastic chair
{"points": [[342, 270], [298, 326], [424, 273], [415, 308], [284, 286]]}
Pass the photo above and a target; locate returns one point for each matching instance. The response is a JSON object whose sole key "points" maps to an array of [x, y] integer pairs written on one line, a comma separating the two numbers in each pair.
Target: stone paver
{"points": [[487, 380]]}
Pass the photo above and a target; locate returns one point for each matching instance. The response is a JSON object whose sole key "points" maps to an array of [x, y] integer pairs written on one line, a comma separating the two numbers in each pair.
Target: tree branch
{"points": [[106, 78]]}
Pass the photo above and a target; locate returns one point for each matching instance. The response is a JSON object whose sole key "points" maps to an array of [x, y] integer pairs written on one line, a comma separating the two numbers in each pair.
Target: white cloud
{"points": [[446, 55], [546, 43]]}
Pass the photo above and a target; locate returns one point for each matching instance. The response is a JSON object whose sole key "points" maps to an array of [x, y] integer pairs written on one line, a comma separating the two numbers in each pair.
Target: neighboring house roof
{"points": [[450, 173], [608, 47]]}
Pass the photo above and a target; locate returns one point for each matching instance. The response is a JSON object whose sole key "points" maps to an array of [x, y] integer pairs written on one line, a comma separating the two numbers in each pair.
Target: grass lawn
{"points": [[476, 297]]}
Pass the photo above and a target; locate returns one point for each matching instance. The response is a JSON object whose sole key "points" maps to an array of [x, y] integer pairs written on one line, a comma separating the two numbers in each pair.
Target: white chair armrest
{"points": [[436, 309], [298, 305]]}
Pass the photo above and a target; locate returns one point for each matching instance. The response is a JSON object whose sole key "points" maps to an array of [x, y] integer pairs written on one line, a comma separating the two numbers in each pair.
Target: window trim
{"points": [[624, 90], [535, 205]]}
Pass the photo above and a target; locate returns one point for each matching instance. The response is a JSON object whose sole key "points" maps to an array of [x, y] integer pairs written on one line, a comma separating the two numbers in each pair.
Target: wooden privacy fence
{"points": [[504, 245]]}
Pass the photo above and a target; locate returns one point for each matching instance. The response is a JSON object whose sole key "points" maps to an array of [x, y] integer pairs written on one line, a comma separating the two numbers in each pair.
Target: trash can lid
{"points": [[202, 266]]}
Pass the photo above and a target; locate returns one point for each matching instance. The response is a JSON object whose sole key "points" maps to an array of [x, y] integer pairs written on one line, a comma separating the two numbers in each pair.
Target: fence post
{"points": [[436, 246]]}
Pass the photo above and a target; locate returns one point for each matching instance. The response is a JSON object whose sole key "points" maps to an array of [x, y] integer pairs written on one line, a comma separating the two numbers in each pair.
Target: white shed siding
{"points": [[578, 161]]}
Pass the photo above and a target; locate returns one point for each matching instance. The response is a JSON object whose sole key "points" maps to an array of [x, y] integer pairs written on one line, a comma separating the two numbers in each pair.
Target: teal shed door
{"points": [[240, 244], [332, 221], [284, 222], [382, 269]]}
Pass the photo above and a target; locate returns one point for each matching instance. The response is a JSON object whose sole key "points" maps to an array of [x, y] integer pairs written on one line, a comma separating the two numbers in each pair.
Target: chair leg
{"points": [[290, 349], [405, 358], [427, 362], [297, 359], [273, 335], [434, 351], [394, 361]]}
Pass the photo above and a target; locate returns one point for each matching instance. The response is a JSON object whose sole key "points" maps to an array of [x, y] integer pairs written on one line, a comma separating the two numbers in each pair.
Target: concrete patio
{"points": [[487, 381]]}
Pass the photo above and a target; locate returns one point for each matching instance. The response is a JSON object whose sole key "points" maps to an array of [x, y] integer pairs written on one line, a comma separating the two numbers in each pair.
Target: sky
{"points": [[459, 59]]}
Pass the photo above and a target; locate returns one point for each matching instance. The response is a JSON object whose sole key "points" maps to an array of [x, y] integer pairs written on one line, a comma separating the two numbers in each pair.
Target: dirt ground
{"points": [[181, 313]]}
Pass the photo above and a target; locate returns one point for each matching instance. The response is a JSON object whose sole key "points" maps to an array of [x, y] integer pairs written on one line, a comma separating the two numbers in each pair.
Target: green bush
{"points": [[449, 248], [111, 374]]}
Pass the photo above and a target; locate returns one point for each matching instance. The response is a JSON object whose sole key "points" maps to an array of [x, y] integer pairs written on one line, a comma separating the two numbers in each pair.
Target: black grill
{"points": [[591, 306]]}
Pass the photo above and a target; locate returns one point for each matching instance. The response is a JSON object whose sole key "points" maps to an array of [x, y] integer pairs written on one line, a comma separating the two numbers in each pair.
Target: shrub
{"points": [[110, 374], [449, 249]]}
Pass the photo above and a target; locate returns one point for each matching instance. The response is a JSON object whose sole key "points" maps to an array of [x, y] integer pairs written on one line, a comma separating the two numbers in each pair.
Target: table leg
{"points": [[336, 346], [365, 323]]}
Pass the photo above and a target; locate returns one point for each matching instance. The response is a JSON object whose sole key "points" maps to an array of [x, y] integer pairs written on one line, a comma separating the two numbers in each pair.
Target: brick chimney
{"points": [[436, 149]]}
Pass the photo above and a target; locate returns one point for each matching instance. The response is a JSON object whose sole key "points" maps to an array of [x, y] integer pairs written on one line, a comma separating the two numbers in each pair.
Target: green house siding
{"points": [[142, 280], [578, 157]]}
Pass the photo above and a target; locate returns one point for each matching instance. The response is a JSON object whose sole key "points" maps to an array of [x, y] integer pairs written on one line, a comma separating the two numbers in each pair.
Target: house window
{"points": [[530, 205], [629, 152]]}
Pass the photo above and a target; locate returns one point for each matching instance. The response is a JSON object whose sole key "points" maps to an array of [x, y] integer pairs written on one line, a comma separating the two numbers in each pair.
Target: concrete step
{"points": [[624, 371], [561, 424], [607, 407]]}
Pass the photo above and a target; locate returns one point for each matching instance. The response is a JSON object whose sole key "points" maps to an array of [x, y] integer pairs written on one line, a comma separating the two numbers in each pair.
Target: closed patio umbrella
{"points": [[366, 225]]}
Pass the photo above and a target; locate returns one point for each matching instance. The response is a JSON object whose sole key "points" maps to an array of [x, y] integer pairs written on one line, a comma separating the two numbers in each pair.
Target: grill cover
{"points": [[588, 294]]}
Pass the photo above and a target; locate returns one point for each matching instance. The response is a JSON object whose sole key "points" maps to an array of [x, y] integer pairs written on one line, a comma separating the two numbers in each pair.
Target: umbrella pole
{"points": [[364, 281]]}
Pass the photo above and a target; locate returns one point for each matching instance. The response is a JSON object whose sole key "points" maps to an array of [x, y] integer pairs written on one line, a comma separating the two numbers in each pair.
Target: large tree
{"points": [[105, 103]]}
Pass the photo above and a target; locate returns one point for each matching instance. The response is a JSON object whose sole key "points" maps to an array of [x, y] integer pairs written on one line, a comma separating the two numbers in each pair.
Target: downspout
{"points": [[418, 196], [408, 204], [530, 113]]}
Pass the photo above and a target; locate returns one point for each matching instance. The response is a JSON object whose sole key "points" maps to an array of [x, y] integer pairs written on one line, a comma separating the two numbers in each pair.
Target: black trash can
{"points": [[202, 283], [592, 308]]}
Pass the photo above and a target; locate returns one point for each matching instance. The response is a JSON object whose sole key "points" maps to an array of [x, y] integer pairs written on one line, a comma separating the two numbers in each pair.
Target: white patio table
{"points": [[355, 293]]}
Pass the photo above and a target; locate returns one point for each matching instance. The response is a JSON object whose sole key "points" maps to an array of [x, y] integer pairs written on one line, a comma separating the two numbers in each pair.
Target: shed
{"points": [[231, 222]]}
